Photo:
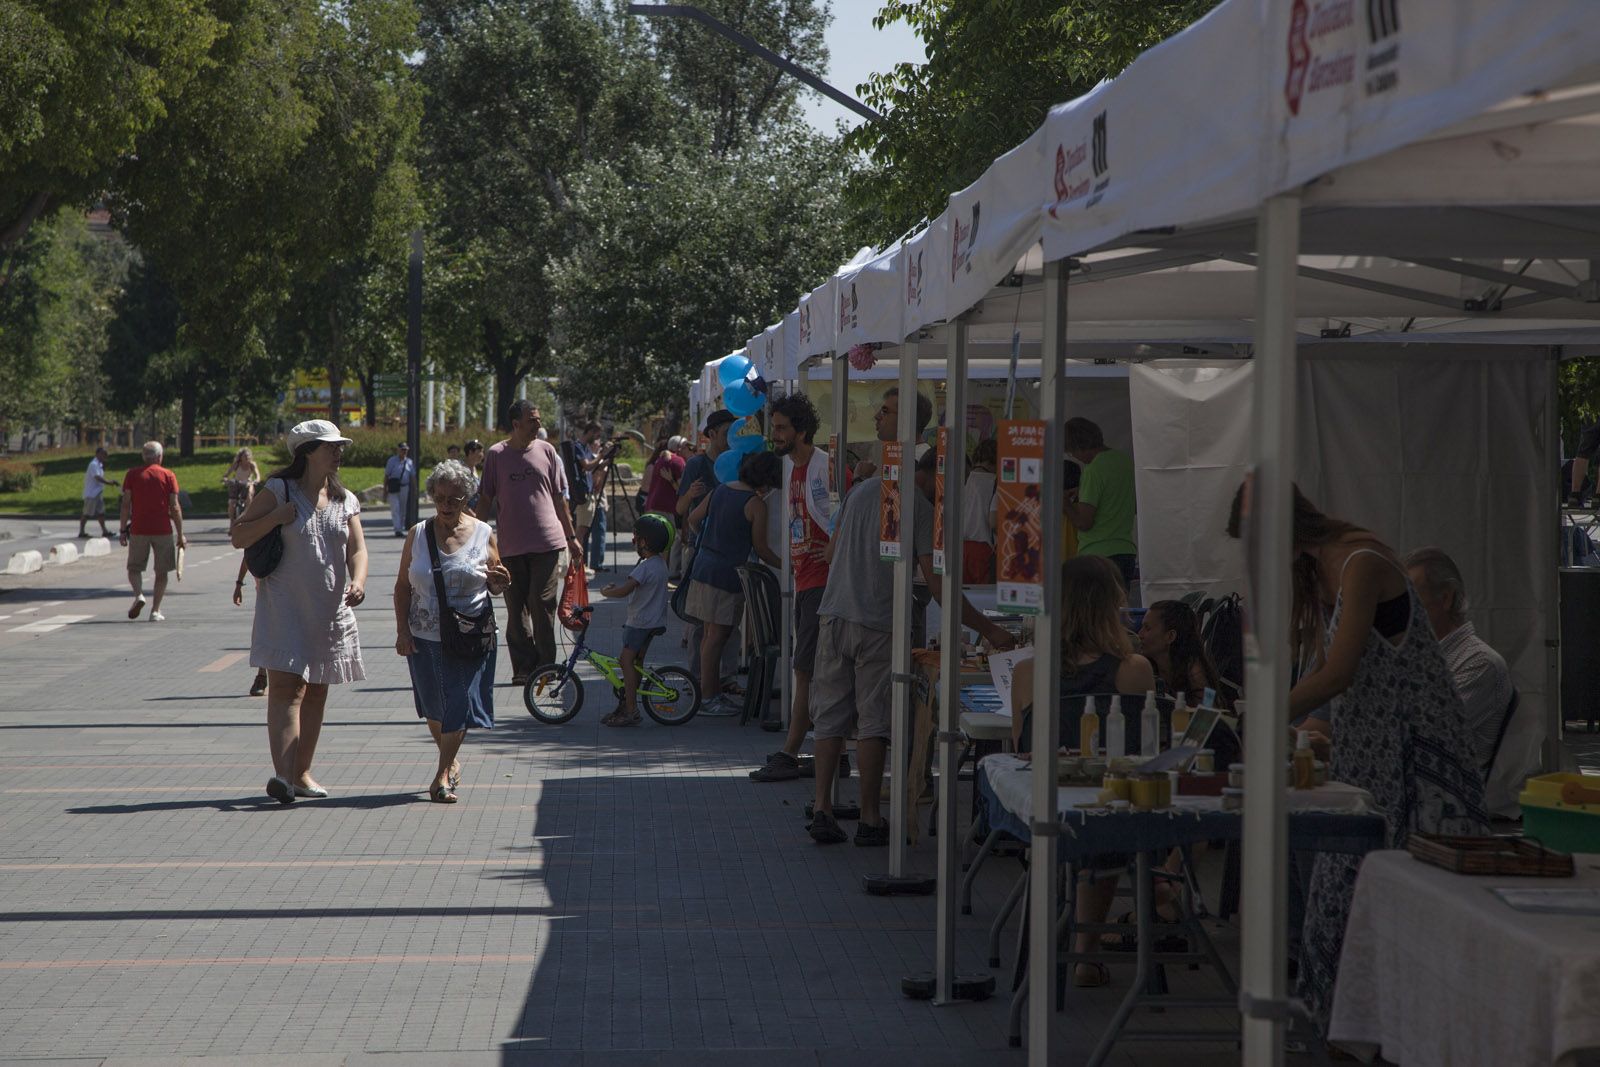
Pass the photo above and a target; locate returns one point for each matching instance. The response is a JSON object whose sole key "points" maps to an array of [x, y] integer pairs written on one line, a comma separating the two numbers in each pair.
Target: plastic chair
{"points": [[763, 597]]}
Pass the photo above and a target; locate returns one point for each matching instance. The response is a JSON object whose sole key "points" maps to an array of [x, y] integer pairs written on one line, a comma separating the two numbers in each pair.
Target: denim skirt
{"points": [[458, 694]]}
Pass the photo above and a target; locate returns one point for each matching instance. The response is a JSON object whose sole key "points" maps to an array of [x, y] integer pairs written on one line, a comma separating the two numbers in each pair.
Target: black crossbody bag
{"points": [[262, 558], [469, 637]]}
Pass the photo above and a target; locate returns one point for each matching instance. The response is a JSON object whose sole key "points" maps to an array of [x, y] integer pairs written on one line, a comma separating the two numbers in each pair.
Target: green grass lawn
{"points": [[58, 491]]}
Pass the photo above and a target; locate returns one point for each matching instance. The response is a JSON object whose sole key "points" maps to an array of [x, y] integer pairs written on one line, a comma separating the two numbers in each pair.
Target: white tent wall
{"points": [[1420, 446]]}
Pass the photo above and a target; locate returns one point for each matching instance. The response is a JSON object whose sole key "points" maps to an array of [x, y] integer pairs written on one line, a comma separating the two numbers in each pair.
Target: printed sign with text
{"points": [[938, 500], [1019, 538], [889, 502]]}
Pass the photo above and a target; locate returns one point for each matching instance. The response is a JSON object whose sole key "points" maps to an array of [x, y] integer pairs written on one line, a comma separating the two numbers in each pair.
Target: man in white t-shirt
{"points": [[94, 494]]}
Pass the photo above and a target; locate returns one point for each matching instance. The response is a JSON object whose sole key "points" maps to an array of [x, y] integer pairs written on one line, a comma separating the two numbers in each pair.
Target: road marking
{"points": [[44, 626], [221, 865], [51, 603], [222, 663], [4, 617]]}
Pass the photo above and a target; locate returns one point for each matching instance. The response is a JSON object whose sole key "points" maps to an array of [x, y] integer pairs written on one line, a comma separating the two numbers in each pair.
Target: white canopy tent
{"points": [[1465, 133]]}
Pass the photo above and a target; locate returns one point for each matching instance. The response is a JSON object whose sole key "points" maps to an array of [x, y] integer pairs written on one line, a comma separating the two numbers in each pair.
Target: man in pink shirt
{"points": [[525, 475]]}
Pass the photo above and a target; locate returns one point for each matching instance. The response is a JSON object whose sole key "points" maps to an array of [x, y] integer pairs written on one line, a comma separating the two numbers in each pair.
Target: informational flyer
{"points": [[938, 500], [1019, 537], [889, 502]]}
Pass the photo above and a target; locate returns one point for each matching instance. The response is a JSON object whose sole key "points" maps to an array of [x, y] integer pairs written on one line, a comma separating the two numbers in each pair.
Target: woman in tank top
{"points": [[1097, 657], [1398, 728]]}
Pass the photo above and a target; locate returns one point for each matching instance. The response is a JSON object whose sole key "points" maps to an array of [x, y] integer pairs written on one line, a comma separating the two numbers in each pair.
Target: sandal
{"points": [[441, 794], [1090, 976], [454, 778], [1128, 941]]}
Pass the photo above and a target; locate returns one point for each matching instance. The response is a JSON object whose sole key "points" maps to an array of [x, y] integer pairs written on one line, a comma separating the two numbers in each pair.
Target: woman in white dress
{"points": [[305, 628]]}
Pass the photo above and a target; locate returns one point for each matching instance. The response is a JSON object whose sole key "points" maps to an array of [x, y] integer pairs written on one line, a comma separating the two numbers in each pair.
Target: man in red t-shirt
{"points": [[808, 513], [152, 521]]}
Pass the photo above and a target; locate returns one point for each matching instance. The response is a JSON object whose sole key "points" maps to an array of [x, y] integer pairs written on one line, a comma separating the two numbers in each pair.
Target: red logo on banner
{"points": [[1299, 55]]}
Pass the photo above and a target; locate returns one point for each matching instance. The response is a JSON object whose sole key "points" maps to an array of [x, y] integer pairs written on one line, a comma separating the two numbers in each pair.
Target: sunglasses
{"points": [[449, 501]]}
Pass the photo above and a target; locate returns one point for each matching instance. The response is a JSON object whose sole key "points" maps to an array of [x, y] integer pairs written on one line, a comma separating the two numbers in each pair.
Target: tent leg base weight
{"points": [[968, 987], [883, 885]]}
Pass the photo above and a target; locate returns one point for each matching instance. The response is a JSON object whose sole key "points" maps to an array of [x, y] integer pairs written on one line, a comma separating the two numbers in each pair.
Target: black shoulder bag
{"points": [[464, 636], [262, 558]]}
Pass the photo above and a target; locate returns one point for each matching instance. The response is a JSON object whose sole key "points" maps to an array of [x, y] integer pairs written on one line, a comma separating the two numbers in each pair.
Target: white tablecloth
{"points": [[1012, 781], [1436, 969]]}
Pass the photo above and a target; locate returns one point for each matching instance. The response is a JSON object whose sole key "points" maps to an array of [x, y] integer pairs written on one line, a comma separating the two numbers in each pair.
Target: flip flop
{"points": [[441, 794], [455, 776]]}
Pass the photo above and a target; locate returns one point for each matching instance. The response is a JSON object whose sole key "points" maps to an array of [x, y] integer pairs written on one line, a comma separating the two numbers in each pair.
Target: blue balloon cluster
{"points": [[743, 393]]}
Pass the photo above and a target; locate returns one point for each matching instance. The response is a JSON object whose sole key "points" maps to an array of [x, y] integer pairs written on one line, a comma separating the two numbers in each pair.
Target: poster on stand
{"points": [[938, 499], [889, 503], [1019, 538]]}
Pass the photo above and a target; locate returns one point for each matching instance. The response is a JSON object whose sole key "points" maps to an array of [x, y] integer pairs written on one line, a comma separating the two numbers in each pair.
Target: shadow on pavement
{"points": [[263, 803]]}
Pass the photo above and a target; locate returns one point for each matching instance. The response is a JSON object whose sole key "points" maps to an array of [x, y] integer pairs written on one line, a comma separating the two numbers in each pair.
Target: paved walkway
{"points": [[597, 892]]}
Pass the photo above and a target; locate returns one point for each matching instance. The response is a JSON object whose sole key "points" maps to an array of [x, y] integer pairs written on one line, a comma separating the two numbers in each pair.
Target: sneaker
{"points": [[871, 836], [156, 616], [781, 767], [722, 706], [138, 606], [825, 830]]}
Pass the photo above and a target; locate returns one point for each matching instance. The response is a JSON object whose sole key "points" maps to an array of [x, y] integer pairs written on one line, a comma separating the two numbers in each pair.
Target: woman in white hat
{"points": [[305, 630]]}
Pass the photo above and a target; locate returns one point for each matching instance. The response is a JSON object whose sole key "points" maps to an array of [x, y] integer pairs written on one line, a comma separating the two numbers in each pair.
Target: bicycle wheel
{"points": [[669, 695], [553, 694]]}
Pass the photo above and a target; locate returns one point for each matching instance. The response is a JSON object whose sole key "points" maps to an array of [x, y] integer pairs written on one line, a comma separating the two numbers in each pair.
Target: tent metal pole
{"points": [[900, 726], [1263, 993], [1550, 564], [955, 470], [1047, 672], [841, 474]]}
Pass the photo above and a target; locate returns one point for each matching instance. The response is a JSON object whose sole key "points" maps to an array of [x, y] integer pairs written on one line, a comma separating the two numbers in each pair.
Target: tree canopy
{"points": [[993, 71]]}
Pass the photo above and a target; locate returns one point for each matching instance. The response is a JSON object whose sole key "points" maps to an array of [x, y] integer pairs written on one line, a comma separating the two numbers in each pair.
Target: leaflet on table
{"points": [[1003, 669], [1575, 901]]}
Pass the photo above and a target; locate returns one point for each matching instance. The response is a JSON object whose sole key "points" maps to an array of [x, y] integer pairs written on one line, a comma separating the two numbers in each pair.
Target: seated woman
{"points": [[1397, 725], [1096, 657], [1170, 639]]}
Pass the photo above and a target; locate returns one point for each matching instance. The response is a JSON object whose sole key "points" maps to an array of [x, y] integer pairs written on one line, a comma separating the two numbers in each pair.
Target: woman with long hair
{"points": [[1097, 658], [241, 479], [305, 628], [1170, 638], [1379, 686]]}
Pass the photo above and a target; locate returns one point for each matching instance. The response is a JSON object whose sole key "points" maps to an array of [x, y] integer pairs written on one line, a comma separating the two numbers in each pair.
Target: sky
{"points": [[856, 50]]}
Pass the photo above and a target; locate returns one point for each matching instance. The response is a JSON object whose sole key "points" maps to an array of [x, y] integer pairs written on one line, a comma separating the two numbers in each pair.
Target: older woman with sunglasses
{"points": [[452, 694]]}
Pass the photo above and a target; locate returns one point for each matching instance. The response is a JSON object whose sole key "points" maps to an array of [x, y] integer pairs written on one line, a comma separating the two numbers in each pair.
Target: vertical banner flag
{"points": [[938, 499], [1019, 537], [889, 503]]}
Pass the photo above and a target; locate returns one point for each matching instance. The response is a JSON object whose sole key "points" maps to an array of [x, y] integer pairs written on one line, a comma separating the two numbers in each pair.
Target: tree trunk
{"points": [[335, 393], [506, 377], [187, 417], [369, 389]]}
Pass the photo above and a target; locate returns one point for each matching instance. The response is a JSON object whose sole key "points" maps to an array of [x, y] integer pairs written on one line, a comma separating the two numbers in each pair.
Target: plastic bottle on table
{"points": [[1305, 761], [1180, 718], [1150, 726], [1088, 730], [1116, 731]]}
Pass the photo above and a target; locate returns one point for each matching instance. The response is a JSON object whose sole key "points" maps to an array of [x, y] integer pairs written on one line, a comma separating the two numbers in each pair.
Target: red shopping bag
{"points": [[574, 595]]}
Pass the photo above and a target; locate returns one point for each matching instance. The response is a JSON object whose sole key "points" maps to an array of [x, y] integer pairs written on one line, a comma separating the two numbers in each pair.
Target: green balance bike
{"points": [[554, 692]]}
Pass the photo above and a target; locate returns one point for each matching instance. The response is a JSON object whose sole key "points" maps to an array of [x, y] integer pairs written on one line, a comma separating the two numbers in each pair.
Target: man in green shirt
{"points": [[1102, 510]]}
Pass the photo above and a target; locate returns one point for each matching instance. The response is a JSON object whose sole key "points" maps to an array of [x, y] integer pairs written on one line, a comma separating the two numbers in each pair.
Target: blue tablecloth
{"points": [[1091, 833]]}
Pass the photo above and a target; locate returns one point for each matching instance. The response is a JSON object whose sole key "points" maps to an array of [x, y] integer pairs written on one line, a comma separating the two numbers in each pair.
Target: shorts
{"points": [[851, 685], [165, 546], [94, 507], [636, 637], [709, 604], [806, 625], [583, 516]]}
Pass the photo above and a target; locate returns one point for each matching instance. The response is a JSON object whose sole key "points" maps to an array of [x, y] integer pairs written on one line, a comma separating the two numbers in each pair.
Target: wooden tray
{"points": [[1490, 855]]}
